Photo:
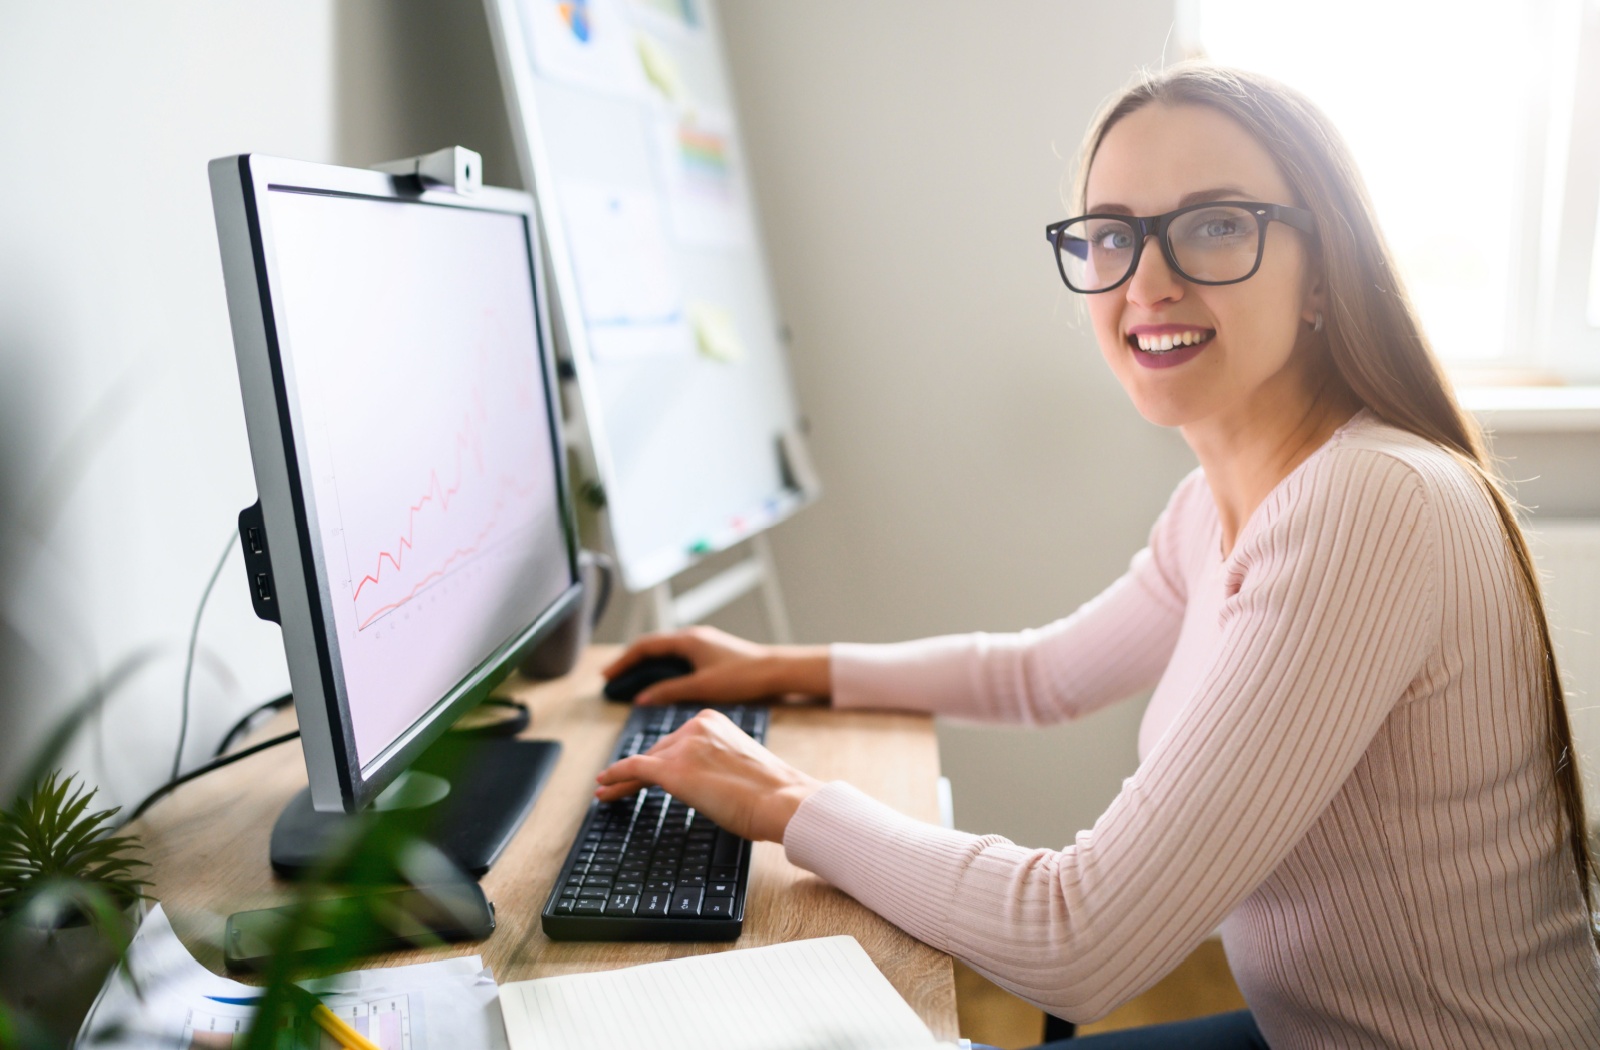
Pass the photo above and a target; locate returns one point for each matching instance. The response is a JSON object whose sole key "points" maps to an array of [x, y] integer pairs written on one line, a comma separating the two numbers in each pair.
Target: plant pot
{"points": [[51, 974]]}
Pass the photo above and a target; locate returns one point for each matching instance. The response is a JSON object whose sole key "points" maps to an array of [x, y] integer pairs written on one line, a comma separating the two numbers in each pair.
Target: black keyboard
{"points": [[649, 868]]}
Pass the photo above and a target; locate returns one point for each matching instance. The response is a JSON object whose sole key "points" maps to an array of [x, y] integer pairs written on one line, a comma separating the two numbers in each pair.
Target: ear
{"points": [[1315, 300]]}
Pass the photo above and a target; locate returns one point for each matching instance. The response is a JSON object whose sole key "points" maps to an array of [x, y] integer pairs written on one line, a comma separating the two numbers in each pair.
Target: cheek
{"points": [[1105, 312]]}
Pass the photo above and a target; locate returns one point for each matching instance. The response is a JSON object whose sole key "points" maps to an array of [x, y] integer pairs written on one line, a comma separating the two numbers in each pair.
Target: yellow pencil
{"points": [[342, 1033]]}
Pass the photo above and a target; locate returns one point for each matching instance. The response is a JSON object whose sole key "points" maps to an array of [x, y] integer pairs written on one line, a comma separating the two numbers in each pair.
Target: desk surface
{"points": [[207, 844]]}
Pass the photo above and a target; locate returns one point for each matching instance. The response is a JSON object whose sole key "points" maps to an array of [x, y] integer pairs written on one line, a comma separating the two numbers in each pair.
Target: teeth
{"points": [[1161, 344]]}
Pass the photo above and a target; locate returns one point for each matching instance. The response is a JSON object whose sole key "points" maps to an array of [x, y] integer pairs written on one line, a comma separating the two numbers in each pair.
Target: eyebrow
{"points": [[1216, 193]]}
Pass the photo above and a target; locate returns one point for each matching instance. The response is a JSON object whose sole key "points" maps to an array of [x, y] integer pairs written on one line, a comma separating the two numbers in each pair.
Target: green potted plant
{"points": [[70, 899]]}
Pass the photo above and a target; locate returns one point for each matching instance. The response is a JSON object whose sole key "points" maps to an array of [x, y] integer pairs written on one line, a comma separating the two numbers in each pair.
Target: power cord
{"points": [[503, 727], [200, 771], [248, 722], [188, 663]]}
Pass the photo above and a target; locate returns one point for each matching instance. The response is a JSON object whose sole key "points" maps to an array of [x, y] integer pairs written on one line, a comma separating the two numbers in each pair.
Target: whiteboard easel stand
{"points": [[659, 609]]}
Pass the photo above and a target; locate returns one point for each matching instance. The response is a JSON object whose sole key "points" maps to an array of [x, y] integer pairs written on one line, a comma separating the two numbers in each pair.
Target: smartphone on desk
{"points": [[340, 928]]}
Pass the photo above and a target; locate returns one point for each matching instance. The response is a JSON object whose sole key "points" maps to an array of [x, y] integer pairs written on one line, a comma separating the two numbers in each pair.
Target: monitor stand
{"points": [[467, 795]]}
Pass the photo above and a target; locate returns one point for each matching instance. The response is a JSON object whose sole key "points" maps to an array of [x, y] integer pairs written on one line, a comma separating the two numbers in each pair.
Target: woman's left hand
{"points": [[716, 767]]}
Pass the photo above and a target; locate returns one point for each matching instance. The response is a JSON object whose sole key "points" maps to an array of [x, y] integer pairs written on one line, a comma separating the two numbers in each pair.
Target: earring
{"points": [[1316, 324]]}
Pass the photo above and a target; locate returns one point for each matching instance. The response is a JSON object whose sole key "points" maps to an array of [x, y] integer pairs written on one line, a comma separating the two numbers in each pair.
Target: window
{"points": [[1477, 127]]}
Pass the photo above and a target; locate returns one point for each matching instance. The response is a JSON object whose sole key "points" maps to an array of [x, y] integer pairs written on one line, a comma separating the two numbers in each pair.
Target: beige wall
{"points": [[982, 470]]}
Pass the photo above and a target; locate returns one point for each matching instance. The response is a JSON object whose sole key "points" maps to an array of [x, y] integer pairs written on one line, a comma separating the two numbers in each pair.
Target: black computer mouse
{"points": [[644, 674]]}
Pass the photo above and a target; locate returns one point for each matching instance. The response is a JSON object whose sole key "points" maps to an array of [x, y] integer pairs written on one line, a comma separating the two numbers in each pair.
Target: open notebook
{"points": [[802, 995]]}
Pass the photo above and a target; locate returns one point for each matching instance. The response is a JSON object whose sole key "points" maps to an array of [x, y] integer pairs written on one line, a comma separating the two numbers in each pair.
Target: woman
{"points": [[1356, 758]]}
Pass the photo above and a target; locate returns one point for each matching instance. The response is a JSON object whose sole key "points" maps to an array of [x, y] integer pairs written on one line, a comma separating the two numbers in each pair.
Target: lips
{"points": [[1166, 346]]}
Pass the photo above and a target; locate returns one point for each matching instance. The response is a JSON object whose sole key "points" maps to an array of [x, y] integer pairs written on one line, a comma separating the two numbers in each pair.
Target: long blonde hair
{"points": [[1375, 341]]}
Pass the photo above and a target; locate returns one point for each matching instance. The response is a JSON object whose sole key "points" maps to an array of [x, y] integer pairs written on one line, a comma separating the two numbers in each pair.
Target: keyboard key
{"points": [[588, 907], [602, 869], [719, 889], [569, 890], [621, 904], [590, 893], [597, 880], [659, 885], [654, 905], [630, 887], [723, 873], [727, 849], [686, 880], [685, 903], [564, 906], [717, 908]]}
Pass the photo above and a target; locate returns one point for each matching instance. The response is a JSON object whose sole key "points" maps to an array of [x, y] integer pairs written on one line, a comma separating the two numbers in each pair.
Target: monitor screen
{"points": [[409, 340]]}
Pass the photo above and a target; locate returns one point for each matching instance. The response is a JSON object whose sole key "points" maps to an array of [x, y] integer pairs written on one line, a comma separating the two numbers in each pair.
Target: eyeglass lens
{"points": [[1216, 244]]}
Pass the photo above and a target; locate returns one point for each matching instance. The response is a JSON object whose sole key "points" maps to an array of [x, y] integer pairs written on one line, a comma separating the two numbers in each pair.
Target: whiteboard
{"points": [[625, 129]]}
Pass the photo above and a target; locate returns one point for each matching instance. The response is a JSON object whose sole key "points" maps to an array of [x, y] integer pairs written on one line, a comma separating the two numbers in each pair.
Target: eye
{"points": [[1113, 239], [1219, 227]]}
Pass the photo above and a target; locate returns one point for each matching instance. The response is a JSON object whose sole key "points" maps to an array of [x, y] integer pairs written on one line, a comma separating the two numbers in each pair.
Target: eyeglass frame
{"points": [[1157, 225]]}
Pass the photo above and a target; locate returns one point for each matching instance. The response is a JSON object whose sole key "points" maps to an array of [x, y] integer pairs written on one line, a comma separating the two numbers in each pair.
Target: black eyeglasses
{"points": [[1217, 242]]}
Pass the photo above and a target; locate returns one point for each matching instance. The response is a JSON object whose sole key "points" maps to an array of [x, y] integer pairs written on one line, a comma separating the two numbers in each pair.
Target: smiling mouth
{"points": [[1167, 343]]}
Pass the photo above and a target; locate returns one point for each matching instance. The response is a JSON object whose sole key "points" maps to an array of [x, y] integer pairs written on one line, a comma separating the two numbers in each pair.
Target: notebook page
{"points": [[822, 994]]}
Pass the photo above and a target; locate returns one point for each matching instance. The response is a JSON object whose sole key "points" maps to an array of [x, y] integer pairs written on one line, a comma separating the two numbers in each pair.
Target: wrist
{"points": [[786, 802], [803, 669]]}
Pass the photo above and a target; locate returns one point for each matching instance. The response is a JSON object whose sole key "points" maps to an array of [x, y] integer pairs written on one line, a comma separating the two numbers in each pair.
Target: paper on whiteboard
{"points": [[632, 301], [705, 188], [679, 17], [585, 43]]}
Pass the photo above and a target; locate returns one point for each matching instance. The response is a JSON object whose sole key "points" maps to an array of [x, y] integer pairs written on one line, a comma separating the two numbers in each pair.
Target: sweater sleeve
{"points": [[1113, 646], [1330, 615]]}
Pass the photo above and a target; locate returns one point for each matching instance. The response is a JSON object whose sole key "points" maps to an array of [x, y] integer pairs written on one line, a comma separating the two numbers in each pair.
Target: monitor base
{"points": [[492, 784]]}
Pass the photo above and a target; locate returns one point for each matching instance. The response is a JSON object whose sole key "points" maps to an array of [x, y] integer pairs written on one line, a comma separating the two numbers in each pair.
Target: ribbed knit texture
{"points": [[1343, 765]]}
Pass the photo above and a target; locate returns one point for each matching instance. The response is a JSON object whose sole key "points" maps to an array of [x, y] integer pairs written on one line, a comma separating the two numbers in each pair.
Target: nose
{"points": [[1153, 280]]}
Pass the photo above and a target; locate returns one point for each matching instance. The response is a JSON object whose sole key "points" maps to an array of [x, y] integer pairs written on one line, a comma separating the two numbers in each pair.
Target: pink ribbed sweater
{"points": [[1342, 765]]}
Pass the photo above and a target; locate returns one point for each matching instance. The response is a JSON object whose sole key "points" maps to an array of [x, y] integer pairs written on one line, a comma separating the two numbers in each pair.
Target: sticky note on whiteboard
{"points": [[715, 335]]}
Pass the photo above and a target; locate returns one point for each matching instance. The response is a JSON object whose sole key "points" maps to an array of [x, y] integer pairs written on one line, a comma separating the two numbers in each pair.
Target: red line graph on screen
{"points": [[438, 573], [437, 500]]}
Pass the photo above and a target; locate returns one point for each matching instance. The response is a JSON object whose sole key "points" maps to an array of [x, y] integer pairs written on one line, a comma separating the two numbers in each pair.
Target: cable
{"points": [[245, 724], [188, 663], [506, 727], [199, 771]]}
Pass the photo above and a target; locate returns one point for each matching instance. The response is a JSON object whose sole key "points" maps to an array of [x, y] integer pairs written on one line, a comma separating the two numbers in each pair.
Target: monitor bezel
{"points": [[240, 184]]}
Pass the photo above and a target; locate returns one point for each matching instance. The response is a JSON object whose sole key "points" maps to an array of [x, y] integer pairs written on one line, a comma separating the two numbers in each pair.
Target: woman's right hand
{"points": [[727, 669]]}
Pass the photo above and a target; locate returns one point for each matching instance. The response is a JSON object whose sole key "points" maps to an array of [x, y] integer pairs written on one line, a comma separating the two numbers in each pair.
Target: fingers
{"points": [[641, 768], [614, 792], [688, 687], [669, 644]]}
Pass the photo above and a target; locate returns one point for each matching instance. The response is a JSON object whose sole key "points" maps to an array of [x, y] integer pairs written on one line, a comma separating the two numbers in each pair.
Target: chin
{"points": [[1161, 407]]}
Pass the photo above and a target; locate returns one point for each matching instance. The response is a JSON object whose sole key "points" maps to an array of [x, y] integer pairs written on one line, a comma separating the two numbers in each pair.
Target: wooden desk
{"points": [[208, 844]]}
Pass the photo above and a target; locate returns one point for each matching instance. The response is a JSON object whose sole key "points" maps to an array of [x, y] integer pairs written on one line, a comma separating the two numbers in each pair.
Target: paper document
{"points": [[172, 1002], [804, 995]]}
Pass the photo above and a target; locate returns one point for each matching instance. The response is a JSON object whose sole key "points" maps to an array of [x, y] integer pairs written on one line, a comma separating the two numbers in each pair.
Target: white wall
{"points": [[982, 469], [122, 448]]}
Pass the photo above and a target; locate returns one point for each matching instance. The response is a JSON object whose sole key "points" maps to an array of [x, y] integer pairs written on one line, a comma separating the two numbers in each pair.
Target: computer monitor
{"points": [[413, 537]]}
